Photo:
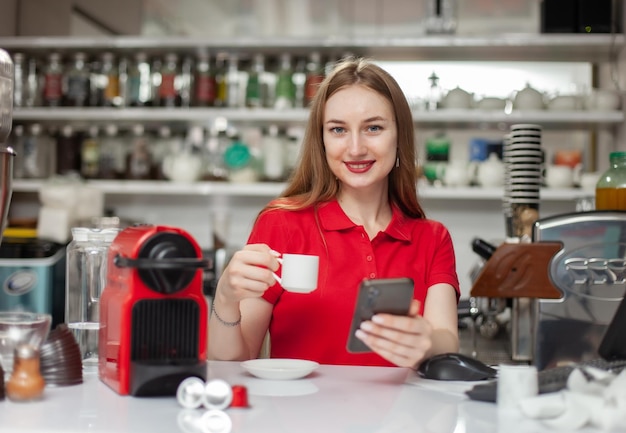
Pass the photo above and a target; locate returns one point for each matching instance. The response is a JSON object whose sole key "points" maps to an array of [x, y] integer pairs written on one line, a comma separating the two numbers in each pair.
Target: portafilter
{"points": [[7, 154]]}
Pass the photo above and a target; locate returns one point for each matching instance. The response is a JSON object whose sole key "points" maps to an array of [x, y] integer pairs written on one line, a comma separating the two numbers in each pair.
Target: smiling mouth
{"points": [[360, 166]]}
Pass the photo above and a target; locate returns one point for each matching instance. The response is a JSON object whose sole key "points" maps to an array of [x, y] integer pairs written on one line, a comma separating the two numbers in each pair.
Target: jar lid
{"points": [[617, 155]]}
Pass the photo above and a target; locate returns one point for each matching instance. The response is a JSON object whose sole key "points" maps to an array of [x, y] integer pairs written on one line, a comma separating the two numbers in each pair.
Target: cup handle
{"points": [[276, 277]]}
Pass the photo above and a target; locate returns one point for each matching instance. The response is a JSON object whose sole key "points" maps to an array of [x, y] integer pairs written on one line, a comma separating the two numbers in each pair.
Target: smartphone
{"points": [[384, 295]]}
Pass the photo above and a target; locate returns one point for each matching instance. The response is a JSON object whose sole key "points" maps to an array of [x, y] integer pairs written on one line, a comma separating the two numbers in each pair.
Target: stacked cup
{"points": [[523, 158]]}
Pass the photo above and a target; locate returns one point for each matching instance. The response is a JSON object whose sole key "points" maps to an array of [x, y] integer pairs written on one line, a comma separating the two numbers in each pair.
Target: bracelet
{"points": [[222, 321]]}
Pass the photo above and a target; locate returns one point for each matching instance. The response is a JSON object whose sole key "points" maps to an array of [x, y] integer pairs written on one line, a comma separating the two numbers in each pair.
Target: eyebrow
{"points": [[368, 120]]}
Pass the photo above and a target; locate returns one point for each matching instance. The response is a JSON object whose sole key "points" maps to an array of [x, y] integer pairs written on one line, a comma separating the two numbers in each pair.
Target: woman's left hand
{"points": [[402, 340]]}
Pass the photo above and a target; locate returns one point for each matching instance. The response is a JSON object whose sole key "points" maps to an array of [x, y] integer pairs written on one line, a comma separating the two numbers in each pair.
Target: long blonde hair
{"points": [[312, 182]]}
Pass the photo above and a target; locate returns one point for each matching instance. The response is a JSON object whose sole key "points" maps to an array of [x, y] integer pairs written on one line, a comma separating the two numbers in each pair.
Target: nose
{"points": [[356, 145]]}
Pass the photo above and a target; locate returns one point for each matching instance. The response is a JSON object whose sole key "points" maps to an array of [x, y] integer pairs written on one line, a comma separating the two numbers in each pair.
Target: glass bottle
{"points": [[168, 96], [36, 156], [90, 154], [273, 147], [435, 93], [232, 82], [314, 77], [26, 382], [256, 88], [19, 81], [32, 96], [215, 146], [285, 87], [86, 274], [77, 82], [68, 152], [184, 82], [139, 160], [611, 187], [205, 86], [139, 83], [441, 16], [220, 80], [53, 81], [111, 154], [111, 81]]}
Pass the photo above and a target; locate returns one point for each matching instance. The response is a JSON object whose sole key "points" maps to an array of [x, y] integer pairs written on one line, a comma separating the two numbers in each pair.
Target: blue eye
{"points": [[337, 129], [374, 128]]}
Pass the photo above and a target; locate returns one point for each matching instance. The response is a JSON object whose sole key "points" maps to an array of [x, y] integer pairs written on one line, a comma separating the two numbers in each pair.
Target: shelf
{"points": [[271, 189], [89, 115], [536, 47]]}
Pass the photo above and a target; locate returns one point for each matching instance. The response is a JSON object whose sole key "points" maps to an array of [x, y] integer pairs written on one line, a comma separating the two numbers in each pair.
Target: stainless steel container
{"points": [[7, 154]]}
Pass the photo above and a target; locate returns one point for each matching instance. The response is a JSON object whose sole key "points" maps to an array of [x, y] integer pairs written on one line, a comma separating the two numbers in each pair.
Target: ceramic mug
{"points": [[299, 274]]}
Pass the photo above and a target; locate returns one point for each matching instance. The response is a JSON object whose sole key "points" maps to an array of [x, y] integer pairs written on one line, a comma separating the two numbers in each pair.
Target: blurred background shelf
{"points": [[273, 189], [88, 115], [515, 47]]}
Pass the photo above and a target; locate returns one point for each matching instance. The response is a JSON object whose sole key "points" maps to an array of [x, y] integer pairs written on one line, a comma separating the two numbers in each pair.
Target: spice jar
{"points": [[26, 382]]}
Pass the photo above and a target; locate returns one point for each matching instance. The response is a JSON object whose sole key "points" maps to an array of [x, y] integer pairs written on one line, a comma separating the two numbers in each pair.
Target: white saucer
{"points": [[279, 369]]}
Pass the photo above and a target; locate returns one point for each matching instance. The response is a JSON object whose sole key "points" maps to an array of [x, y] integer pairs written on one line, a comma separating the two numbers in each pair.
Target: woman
{"points": [[352, 201]]}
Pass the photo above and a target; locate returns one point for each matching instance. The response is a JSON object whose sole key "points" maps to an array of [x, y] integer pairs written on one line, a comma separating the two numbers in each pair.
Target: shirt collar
{"points": [[332, 217]]}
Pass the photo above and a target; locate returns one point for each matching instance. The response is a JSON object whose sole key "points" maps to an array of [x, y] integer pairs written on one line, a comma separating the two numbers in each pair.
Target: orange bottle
{"points": [[26, 382], [611, 187]]}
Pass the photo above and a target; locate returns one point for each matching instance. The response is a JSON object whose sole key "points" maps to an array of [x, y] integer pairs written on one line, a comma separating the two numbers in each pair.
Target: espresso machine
{"points": [[153, 313], [6, 153]]}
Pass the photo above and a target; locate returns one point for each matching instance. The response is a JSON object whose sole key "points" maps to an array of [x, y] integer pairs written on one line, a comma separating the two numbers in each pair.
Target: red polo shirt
{"points": [[315, 326]]}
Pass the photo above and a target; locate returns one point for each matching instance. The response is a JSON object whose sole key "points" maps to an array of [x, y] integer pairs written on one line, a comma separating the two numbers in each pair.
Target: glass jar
{"points": [[86, 275], [611, 187]]}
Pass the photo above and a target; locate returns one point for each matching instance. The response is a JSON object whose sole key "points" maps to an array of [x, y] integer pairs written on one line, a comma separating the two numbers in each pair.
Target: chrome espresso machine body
{"points": [[7, 155], [590, 272]]}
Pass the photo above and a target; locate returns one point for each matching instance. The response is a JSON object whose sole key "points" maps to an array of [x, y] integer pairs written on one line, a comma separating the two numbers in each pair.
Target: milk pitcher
{"points": [[86, 273]]}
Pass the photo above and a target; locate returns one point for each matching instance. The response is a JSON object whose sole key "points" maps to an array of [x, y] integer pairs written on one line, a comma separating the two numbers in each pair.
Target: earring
{"points": [[397, 162]]}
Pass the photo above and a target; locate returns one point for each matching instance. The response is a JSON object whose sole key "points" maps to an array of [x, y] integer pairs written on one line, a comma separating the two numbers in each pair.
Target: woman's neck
{"points": [[370, 210]]}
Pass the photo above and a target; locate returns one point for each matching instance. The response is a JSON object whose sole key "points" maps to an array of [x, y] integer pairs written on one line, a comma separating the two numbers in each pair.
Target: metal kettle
{"points": [[7, 154]]}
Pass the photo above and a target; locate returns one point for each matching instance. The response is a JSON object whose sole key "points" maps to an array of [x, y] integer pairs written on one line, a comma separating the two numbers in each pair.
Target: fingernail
{"points": [[275, 253], [377, 319], [366, 326], [359, 334]]}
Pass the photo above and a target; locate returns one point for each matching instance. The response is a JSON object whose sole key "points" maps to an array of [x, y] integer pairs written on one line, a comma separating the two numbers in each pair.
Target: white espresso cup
{"points": [[299, 272]]}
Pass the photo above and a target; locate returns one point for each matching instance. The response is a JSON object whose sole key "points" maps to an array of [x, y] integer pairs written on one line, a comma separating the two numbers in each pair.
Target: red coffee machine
{"points": [[153, 315]]}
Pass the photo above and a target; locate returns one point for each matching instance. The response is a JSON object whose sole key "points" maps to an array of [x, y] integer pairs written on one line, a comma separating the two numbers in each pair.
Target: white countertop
{"points": [[334, 399]]}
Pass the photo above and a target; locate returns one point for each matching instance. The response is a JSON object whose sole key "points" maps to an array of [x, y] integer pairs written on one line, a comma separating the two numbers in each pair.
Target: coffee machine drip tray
{"points": [[590, 271]]}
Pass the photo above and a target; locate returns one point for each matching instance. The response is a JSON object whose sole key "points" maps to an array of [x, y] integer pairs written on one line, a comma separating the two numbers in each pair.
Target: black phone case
{"points": [[385, 295]]}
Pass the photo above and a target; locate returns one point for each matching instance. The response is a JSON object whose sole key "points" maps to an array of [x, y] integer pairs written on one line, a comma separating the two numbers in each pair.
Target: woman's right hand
{"points": [[248, 273]]}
